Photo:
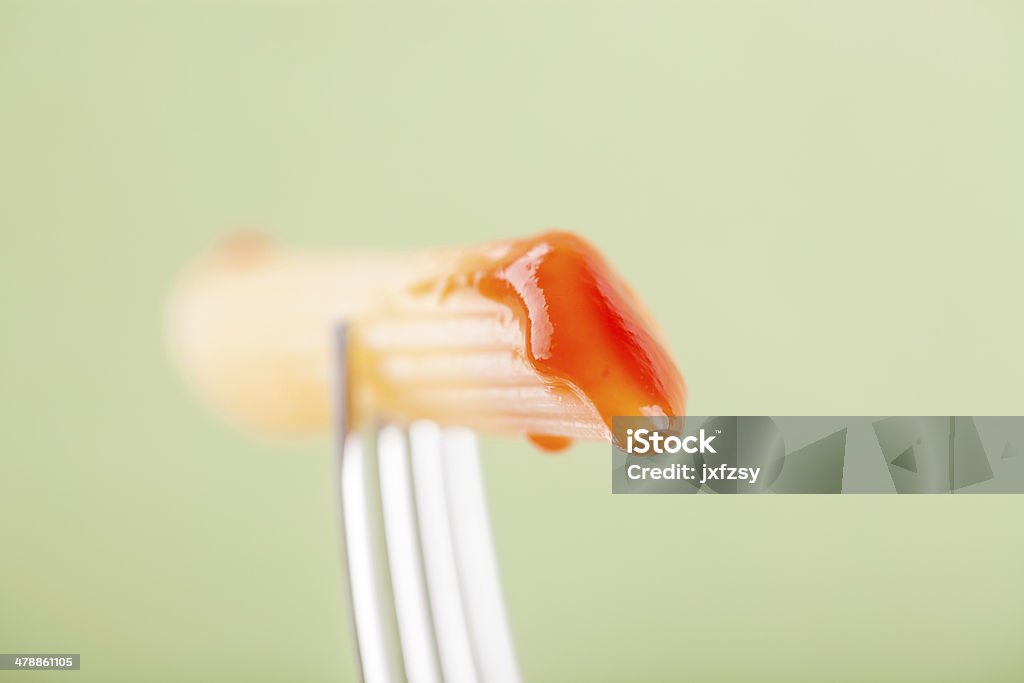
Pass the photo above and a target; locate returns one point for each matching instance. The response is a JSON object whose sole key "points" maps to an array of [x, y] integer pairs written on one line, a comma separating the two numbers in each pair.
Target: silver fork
{"points": [[422, 573]]}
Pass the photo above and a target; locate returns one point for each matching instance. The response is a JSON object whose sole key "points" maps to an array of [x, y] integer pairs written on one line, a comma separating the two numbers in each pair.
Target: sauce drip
{"points": [[584, 329], [551, 444]]}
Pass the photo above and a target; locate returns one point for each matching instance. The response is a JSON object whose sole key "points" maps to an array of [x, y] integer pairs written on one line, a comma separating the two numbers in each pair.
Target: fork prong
{"points": [[446, 600], [367, 580], [476, 560], [419, 649], [363, 573]]}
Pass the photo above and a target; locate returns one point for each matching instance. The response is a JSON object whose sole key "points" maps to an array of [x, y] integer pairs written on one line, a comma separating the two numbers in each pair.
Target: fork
{"points": [[422, 573]]}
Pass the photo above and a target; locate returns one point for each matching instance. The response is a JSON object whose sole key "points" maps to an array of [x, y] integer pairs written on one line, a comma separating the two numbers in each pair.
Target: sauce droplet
{"points": [[551, 444]]}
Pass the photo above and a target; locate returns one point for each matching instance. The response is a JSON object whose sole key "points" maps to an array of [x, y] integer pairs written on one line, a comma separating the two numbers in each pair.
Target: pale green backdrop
{"points": [[821, 202]]}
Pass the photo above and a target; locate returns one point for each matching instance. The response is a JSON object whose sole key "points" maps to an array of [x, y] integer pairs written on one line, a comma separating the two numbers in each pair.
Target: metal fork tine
{"points": [[476, 559], [456, 653], [367, 582], [364, 576], [407, 578]]}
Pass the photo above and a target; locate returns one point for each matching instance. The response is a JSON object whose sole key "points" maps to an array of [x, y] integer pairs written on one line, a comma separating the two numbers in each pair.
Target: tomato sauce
{"points": [[585, 332]]}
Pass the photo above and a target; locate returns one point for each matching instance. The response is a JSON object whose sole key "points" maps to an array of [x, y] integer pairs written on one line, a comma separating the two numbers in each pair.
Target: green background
{"points": [[821, 202]]}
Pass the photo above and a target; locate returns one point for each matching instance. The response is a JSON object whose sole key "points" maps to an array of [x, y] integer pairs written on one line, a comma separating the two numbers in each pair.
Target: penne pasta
{"points": [[532, 336]]}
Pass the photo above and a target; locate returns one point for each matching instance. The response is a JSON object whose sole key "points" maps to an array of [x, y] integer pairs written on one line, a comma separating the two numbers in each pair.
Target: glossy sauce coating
{"points": [[584, 330]]}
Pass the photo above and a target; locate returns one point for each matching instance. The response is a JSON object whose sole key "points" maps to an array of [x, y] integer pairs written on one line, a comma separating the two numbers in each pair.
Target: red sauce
{"points": [[584, 329], [551, 444]]}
